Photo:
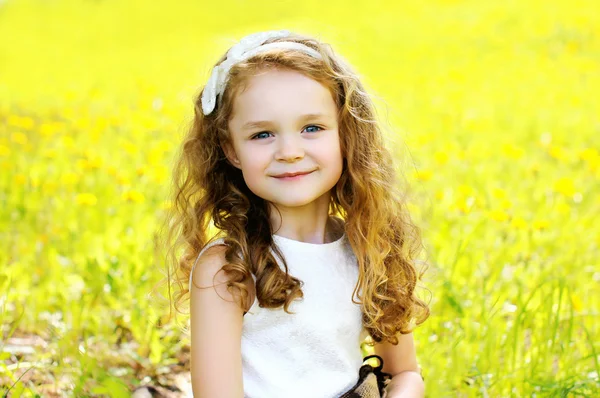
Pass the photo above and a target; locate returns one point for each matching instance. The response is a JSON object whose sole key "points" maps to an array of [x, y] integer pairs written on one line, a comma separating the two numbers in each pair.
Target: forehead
{"points": [[276, 95]]}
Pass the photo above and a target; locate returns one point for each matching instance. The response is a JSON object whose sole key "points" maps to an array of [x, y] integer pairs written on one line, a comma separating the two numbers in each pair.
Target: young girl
{"points": [[295, 238]]}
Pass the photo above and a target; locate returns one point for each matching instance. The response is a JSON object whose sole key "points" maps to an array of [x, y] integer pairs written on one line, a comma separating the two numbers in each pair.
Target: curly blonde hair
{"points": [[211, 199]]}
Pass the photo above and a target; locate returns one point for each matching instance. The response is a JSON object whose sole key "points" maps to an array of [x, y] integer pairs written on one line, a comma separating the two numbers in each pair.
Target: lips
{"points": [[289, 175]]}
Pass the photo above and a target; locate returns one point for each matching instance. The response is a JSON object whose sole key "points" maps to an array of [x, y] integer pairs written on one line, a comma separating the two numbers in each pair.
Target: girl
{"points": [[295, 238]]}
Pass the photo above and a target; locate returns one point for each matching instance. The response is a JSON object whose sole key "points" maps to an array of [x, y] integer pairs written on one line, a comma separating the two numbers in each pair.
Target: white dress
{"points": [[315, 352]]}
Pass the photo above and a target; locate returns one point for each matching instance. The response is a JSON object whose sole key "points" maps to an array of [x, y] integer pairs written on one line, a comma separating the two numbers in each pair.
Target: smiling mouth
{"points": [[291, 176]]}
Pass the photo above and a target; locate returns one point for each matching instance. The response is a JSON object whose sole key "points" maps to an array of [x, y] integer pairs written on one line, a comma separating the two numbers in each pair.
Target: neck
{"points": [[310, 223]]}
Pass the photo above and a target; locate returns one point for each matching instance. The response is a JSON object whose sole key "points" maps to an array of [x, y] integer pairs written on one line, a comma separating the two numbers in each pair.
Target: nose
{"points": [[290, 148]]}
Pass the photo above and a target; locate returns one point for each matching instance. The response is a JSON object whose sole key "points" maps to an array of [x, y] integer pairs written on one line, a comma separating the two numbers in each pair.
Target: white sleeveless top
{"points": [[316, 351]]}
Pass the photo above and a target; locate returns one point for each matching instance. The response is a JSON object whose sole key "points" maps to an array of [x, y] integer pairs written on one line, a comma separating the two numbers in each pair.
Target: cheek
{"points": [[339, 166], [256, 160], [253, 156], [254, 163], [338, 161], [332, 153]]}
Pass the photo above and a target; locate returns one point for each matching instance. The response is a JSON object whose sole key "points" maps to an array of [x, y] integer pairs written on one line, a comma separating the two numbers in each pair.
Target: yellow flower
{"points": [[439, 194], [130, 147], [576, 302], [101, 124], [68, 141], [50, 128], [86, 199], [49, 187], [465, 205], [82, 123], [422, 140], [166, 205], [424, 175], [163, 145], [90, 164], [154, 156], [20, 179], [123, 179], [19, 138], [50, 153], [513, 151], [22, 122], [4, 150], [413, 208], [498, 193], [557, 152], [498, 215], [465, 189], [440, 157], [534, 168], [562, 208], [518, 223], [160, 174], [541, 224], [69, 178], [564, 186], [133, 196], [148, 123], [589, 154], [506, 204]]}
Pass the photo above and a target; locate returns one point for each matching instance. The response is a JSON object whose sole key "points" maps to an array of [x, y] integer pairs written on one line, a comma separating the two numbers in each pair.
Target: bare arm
{"points": [[216, 330], [401, 362]]}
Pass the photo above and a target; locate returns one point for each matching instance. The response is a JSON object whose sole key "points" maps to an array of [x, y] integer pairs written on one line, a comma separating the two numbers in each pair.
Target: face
{"points": [[285, 140]]}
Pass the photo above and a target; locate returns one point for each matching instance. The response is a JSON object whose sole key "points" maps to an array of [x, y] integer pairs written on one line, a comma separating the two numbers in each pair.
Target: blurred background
{"points": [[493, 111]]}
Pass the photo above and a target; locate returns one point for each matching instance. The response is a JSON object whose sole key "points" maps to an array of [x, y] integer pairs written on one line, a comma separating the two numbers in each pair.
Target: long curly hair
{"points": [[210, 199]]}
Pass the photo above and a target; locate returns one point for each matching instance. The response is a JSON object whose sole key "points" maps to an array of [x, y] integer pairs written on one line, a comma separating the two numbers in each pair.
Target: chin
{"points": [[291, 202]]}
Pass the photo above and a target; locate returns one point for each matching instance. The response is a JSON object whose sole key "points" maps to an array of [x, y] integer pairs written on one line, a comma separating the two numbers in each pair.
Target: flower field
{"points": [[493, 112]]}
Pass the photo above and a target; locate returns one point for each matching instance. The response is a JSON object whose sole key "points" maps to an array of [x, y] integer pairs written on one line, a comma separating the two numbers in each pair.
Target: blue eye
{"points": [[312, 125], [261, 135], [265, 134]]}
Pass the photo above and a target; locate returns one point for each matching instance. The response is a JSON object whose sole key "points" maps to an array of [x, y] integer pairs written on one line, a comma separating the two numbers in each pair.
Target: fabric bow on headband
{"points": [[247, 47]]}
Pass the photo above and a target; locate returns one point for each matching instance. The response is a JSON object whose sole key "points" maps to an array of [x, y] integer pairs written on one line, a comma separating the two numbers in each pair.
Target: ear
{"points": [[230, 154]]}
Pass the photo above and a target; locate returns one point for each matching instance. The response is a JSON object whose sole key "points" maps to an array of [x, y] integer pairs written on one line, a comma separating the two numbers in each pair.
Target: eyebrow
{"points": [[262, 123]]}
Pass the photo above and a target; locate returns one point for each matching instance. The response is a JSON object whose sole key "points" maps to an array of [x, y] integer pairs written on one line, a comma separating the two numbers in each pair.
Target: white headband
{"points": [[247, 47]]}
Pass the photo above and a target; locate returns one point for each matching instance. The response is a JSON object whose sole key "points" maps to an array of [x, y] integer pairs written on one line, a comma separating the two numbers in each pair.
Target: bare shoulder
{"points": [[208, 274], [207, 271], [209, 294]]}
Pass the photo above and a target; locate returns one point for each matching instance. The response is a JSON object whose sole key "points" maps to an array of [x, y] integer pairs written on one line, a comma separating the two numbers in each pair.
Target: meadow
{"points": [[494, 114]]}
